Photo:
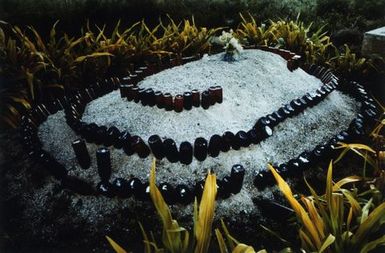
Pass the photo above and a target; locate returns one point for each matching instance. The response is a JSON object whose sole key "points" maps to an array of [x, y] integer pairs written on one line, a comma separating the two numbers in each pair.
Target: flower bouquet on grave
{"points": [[230, 44]]}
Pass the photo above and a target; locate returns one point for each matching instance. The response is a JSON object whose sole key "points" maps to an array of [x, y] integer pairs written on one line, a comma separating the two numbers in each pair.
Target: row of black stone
{"points": [[201, 148], [182, 194], [178, 103], [356, 132], [119, 187]]}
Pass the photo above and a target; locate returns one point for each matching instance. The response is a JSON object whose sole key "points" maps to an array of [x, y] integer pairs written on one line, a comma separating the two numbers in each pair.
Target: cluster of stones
{"points": [[326, 151], [186, 101], [74, 107]]}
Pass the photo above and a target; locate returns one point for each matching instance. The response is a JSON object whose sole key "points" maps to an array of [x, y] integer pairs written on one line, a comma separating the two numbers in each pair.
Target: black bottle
{"points": [[200, 148]]}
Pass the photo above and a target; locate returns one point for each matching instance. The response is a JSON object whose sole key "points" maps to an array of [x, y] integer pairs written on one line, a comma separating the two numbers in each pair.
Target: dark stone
{"points": [[309, 99], [135, 186], [145, 193], [278, 116], [283, 170], [188, 100], [237, 175], [157, 147], [218, 92], [101, 136], [139, 147], [168, 101], [227, 139], [196, 99], [290, 109], [284, 112], [113, 134], [225, 187], [134, 94], [296, 104], [200, 148], [253, 136], [104, 163], [215, 145], [206, 100], [243, 139], [81, 152], [184, 194], [121, 188], [159, 99], [261, 122], [304, 160], [318, 152], [369, 105], [321, 92], [127, 144], [178, 103], [260, 181], [142, 96], [212, 95], [171, 150], [294, 168], [105, 188], [168, 193], [235, 142], [185, 152], [150, 97], [265, 132], [122, 138]]}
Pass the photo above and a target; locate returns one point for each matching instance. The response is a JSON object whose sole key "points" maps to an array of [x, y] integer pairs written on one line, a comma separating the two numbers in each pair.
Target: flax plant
{"points": [[176, 239], [340, 220]]}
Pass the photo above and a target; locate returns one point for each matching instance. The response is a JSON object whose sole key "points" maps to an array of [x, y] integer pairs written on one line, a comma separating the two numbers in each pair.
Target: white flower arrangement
{"points": [[230, 44]]}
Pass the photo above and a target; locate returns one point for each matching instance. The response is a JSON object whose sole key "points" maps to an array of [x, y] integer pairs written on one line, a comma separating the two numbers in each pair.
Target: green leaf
{"points": [[328, 241], [375, 218], [373, 244], [93, 55], [115, 246]]}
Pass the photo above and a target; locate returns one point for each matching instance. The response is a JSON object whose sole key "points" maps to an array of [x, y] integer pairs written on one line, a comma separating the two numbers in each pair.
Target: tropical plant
{"points": [[340, 220], [186, 38], [254, 34], [348, 65], [34, 69], [177, 239]]}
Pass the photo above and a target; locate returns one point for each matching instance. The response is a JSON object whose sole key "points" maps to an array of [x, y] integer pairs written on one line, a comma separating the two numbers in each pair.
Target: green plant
{"points": [[347, 65], [175, 238], [341, 220], [36, 69], [186, 38], [254, 34]]}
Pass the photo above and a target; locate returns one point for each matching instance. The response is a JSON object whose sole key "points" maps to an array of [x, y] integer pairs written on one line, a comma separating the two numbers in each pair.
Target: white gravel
{"points": [[258, 84]]}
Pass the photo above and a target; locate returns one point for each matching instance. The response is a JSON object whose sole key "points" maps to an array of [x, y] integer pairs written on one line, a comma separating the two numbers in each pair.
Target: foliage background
{"points": [[337, 14]]}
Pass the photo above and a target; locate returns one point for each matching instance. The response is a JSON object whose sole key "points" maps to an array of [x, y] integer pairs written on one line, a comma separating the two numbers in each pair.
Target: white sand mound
{"points": [[258, 84]]}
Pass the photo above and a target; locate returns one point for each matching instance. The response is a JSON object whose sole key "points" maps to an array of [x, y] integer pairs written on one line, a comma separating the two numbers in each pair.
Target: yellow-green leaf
{"points": [[328, 241], [243, 248], [115, 246], [206, 214]]}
